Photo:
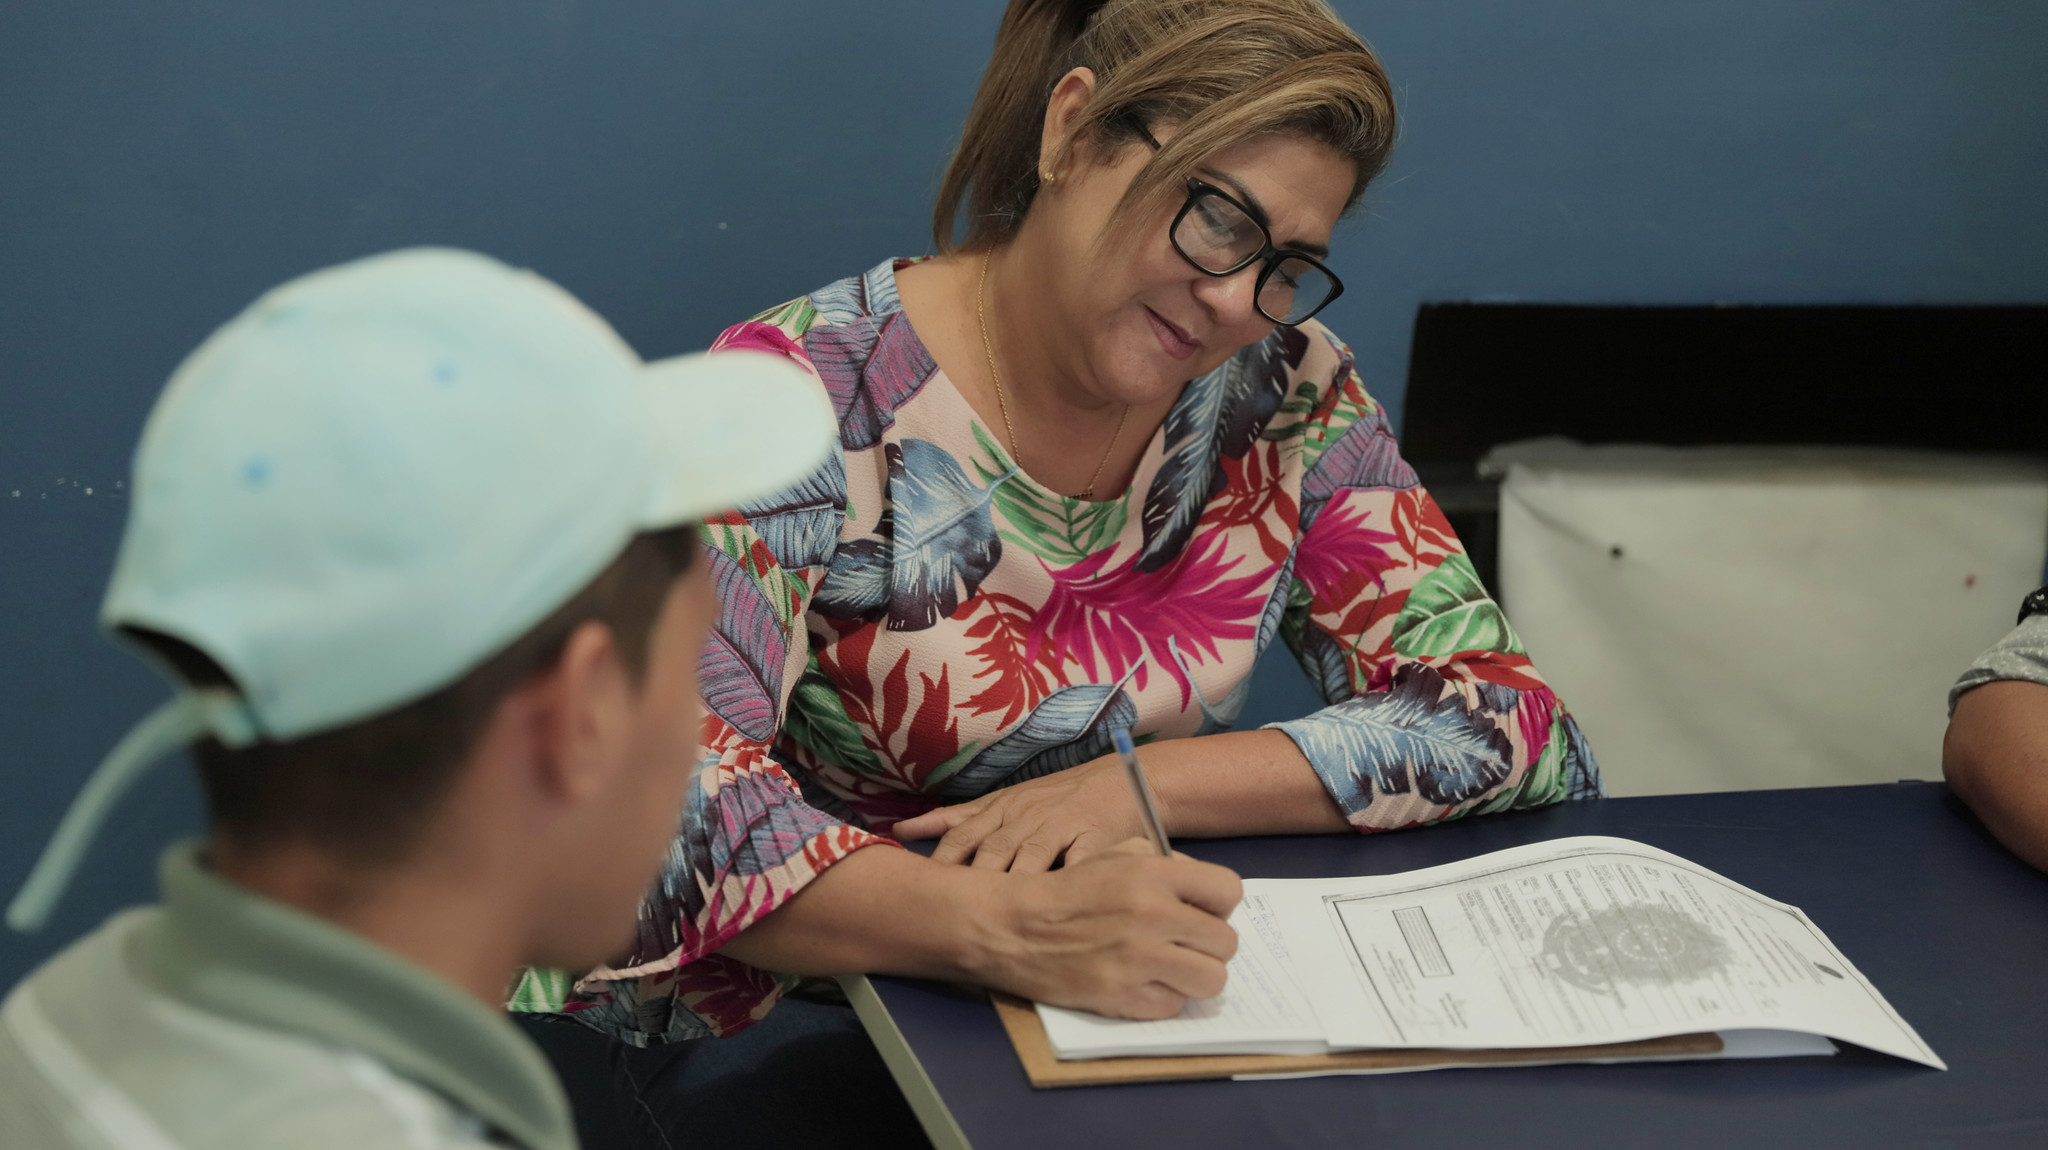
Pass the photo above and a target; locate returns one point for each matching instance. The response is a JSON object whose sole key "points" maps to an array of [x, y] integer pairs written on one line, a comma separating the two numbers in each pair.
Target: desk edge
{"points": [[917, 1087]]}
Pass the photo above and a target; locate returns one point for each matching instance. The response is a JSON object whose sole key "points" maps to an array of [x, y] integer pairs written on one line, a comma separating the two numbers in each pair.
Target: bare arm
{"points": [[1238, 783], [1996, 758], [1128, 934]]}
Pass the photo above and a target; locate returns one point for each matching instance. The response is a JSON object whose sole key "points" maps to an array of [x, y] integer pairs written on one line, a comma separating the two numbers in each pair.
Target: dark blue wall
{"points": [[683, 165]]}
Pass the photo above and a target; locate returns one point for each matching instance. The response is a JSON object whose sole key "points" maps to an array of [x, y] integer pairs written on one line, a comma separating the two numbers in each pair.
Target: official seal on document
{"points": [[1640, 944]]}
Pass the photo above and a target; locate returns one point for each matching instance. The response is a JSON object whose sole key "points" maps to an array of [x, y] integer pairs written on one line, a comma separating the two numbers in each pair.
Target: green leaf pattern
{"points": [[781, 588], [817, 720], [541, 990], [1449, 611], [1058, 530], [795, 317], [1296, 426], [1543, 783]]}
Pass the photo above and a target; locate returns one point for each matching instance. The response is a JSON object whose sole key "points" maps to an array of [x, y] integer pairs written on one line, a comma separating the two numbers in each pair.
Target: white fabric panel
{"points": [[1730, 619]]}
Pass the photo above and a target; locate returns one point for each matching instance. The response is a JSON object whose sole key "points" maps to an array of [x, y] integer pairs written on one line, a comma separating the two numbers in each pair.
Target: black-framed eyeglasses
{"points": [[1219, 236]]}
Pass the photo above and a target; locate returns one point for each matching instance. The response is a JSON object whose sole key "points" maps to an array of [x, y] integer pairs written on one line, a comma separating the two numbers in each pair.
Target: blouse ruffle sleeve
{"points": [[748, 841], [1434, 709]]}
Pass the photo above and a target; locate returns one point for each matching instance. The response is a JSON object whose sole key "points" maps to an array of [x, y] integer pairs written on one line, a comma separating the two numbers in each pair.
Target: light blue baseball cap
{"points": [[382, 473]]}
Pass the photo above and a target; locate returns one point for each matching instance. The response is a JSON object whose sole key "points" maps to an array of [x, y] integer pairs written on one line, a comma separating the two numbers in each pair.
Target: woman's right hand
{"points": [[1125, 933]]}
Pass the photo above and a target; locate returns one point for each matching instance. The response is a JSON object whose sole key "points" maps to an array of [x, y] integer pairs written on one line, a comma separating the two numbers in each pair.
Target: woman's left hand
{"points": [[1028, 827]]}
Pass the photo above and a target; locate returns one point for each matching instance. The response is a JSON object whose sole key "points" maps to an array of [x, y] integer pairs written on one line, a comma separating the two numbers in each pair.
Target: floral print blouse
{"points": [[921, 623]]}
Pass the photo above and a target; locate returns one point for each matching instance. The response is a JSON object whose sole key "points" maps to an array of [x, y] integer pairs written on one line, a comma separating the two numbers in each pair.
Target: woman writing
{"points": [[1096, 457]]}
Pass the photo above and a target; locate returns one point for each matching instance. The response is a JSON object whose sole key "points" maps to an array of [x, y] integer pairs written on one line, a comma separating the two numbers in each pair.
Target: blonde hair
{"points": [[1221, 70]]}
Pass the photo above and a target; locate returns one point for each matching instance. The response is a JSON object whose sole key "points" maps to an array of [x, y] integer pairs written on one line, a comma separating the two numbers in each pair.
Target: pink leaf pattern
{"points": [[756, 336], [1121, 615], [1342, 554]]}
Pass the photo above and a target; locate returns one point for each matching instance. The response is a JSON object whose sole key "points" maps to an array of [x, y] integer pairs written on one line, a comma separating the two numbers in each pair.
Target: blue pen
{"points": [[1148, 807]]}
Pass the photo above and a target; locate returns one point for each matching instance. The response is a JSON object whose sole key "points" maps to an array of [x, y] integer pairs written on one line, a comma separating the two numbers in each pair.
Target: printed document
{"points": [[1262, 1009], [1572, 942]]}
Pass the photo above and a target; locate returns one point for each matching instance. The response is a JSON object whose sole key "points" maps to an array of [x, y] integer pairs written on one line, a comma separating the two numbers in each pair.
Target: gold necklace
{"points": [[1003, 404]]}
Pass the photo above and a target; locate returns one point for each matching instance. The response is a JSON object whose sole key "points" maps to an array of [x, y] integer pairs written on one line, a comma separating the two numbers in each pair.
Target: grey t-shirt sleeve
{"points": [[2020, 655]]}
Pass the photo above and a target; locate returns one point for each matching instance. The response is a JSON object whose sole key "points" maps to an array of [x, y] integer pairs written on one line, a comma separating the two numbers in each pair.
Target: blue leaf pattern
{"points": [[945, 539], [857, 584], [1266, 364], [1326, 665], [751, 826], [870, 295], [1188, 476], [740, 670], [866, 354], [800, 524], [1411, 737], [1221, 412], [1581, 769], [814, 793], [1219, 716], [1276, 607], [1068, 727], [1498, 699], [1364, 457], [1093, 745]]}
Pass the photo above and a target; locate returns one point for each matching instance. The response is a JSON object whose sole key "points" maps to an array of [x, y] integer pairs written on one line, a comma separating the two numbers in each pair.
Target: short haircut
{"points": [[365, 791]]}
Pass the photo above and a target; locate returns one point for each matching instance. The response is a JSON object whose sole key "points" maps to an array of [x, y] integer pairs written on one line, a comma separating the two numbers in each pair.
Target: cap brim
{"points": [[734, 427]]}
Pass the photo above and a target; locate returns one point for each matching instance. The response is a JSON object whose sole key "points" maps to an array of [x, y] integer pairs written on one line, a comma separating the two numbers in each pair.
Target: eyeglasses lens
{"points": [[1217, 235], [1294, 291]]}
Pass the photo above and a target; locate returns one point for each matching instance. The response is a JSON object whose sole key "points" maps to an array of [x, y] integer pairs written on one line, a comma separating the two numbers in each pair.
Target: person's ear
{"points": [[585, 724], [1070, 98]]}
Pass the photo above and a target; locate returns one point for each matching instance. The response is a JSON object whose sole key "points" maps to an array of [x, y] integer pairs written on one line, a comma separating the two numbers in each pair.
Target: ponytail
{"points": [[995, 168]]}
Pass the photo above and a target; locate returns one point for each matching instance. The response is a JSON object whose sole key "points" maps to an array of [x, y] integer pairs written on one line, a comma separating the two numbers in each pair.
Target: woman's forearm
{"points": [[1126, 934], [1995, 756], [879, 910], [1239, 783]]}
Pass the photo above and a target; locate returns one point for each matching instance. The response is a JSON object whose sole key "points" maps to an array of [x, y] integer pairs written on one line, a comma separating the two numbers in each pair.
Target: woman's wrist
{"points": [[882, 910], [975, 922], [1239, 783]]}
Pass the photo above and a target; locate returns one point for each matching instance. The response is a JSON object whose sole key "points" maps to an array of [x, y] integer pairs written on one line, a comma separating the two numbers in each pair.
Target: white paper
{"points": [[1734, 1044], [1261, 1011], [1566, 943]]}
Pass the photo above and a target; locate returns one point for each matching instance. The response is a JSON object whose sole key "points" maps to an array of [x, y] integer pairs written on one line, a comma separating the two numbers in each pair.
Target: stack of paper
{"points": [[1573, 942]]}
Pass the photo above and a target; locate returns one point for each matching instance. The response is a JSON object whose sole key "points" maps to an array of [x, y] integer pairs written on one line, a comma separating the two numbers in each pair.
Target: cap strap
{"points": [[187, 716]]}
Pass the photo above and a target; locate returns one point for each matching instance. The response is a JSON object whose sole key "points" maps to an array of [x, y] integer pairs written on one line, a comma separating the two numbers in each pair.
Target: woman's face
{"points": [[1142, 320]]}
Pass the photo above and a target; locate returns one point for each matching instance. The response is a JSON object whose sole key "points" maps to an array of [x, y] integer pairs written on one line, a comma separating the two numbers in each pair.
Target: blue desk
{"points": [[1950, 927]]}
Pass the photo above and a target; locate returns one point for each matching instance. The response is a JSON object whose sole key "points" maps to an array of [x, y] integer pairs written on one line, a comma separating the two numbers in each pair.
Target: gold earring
{"points": [[1046, 178]]}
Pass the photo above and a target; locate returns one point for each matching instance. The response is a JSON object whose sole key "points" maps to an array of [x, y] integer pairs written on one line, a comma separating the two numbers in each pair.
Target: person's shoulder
{"points": [[1323, 346], [1313, 369], [93, 1054], [2021, 655], [337, 1098], [865, 301], [93, 975], [1322, 402], [2025, 648], [853, 336], [43, 1088]]}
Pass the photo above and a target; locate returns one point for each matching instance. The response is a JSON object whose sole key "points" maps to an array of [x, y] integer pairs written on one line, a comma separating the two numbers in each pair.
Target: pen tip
{"points": [[1122, 738]]}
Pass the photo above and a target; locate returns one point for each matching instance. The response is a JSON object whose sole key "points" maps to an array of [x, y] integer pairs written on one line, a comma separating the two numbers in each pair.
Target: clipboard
{"points": [[1034, 1050]]}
